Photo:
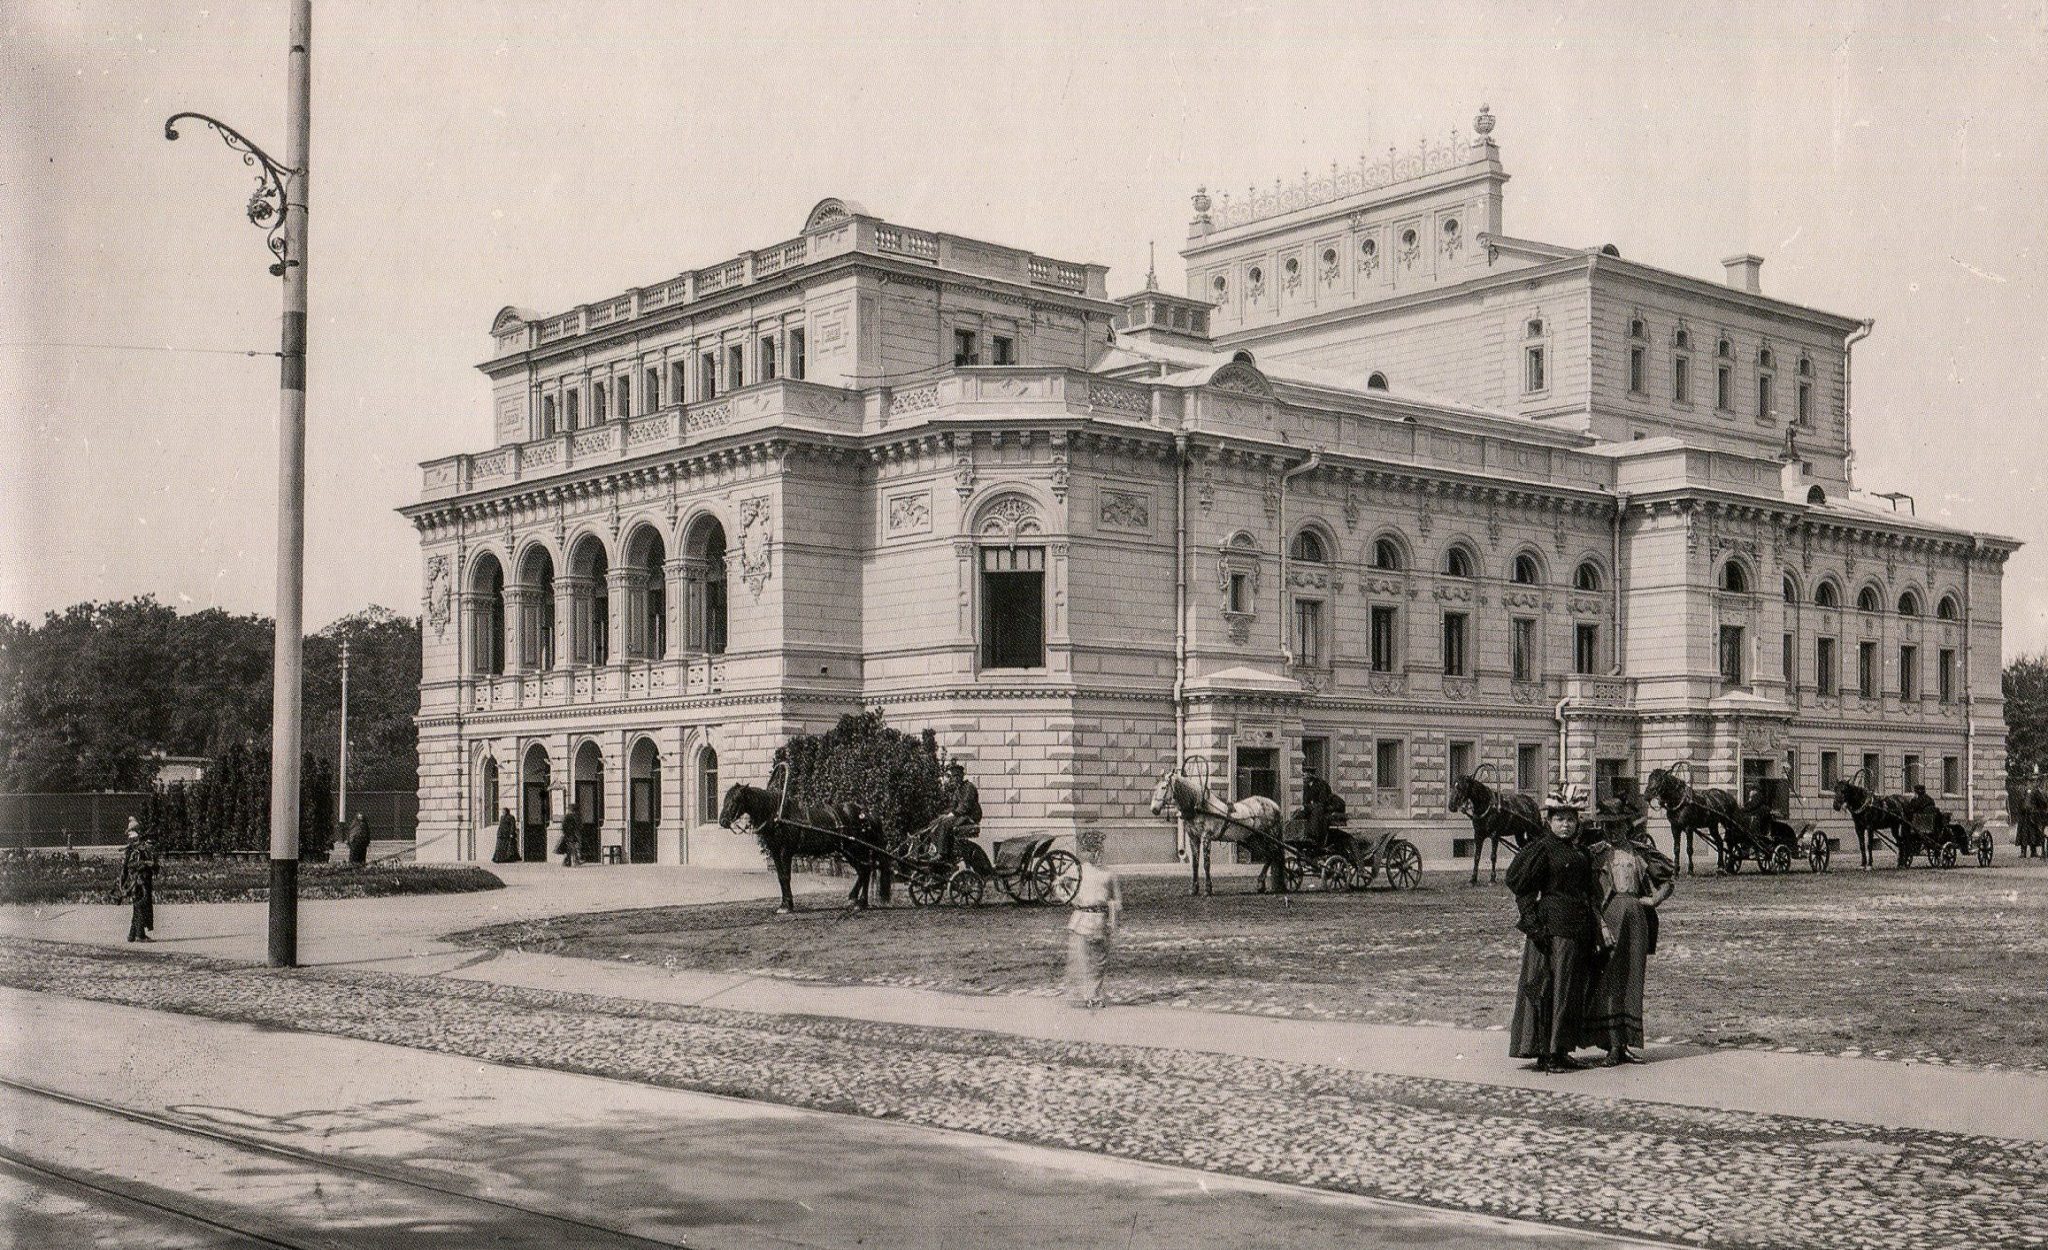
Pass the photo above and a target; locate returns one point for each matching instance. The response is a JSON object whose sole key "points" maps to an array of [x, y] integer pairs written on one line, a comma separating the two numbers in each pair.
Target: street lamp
{"points": [[278, 207]]}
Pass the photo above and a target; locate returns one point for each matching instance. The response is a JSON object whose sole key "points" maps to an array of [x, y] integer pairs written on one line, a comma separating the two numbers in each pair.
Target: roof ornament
{"points": [[1152, 265], [1202, 205], [1482, 125]]}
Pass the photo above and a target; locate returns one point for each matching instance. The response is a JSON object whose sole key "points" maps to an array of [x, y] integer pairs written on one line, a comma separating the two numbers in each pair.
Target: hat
{"points": [[956, 767], [134, 827], [1565, 799]]}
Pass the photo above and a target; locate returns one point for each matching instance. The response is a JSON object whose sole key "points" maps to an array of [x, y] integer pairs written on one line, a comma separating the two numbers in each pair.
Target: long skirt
{"points": [[1550, 998], [507, 850], [142, 913], [1087, 959], [1614, 1010]]}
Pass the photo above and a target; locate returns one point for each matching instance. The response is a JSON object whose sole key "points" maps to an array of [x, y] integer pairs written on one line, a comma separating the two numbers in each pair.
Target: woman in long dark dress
{"points": [[507, 850], [1631, 878], [1552, 880]]}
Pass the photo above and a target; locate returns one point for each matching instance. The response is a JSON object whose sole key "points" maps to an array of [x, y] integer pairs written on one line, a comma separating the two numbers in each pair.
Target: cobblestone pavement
{"points": [[1705, 1177]]}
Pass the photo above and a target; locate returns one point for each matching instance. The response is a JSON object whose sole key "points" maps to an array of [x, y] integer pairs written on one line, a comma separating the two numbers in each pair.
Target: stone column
{"points": [[522, 642], [676, 585], [572, 631], [690, 574], [624, 605]]}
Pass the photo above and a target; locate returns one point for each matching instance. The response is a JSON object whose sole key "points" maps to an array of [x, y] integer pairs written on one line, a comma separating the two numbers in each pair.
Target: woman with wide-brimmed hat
{"points": [[1631, 877], [1553, 884]]}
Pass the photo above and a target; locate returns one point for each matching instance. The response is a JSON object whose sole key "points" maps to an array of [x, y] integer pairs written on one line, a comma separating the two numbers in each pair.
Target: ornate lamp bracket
{"points": [[266, 206]]}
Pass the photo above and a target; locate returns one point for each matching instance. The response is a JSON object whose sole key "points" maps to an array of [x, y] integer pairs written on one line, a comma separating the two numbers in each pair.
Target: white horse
{"points": [[1254, 822]]}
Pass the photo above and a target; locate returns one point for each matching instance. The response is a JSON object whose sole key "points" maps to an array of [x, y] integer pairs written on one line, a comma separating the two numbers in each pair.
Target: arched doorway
{"points": [[643, 802], [588, 797], [536, 775], [487, 806]]}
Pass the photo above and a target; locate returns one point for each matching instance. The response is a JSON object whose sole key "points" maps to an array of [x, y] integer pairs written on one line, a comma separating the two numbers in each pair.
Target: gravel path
{"points": [[1705, 1177]]}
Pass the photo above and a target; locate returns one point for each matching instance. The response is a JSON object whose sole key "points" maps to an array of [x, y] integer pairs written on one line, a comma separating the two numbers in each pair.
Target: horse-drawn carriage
{"points": [[1913, 830], [1030, 869], [1760, 831], [1343, 860], [1290, 851]]}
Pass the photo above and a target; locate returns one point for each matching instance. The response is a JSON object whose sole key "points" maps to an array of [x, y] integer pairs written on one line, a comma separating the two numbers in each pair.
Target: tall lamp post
{"points": [[341, 796], [278, 207]]}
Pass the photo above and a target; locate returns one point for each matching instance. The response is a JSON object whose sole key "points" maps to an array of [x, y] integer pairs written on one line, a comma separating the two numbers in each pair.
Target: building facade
{"points": [[1387, 494]]}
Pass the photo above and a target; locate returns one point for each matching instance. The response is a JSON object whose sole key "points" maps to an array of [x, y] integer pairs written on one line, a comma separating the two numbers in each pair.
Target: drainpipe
{"points": [[1848, 413], [1315, 459], [1559, 713], [1969, 701], [1614, 582], [1180, 619]]}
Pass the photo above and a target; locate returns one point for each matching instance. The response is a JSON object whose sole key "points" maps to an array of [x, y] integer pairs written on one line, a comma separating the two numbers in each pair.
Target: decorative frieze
{"points": [[439, 594], [910, 513], [756, 525], [1126, 510]]}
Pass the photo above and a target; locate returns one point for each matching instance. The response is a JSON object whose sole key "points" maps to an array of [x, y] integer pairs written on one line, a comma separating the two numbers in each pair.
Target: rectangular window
{"points": [[767, 358], [1866, 669], [796, 354], [1732, 667], [1002, 350], [678, 383], [1945, 674], [1790, 665], [1308, 632], [1315, 758], [1585, 648], [1462, 761], [735, 366], [1909, 671], [1524, 656], [707, 376], [547, 415], [966, 348], [1454, 644], [1240, 592], [573, 401], [652, 398], [1383, 649], [1387, 777], [1763, 398], [1681, 380], [1805, 402], [1013, 607], [1635, 370], [1722, 376], [1873, 772], [707, 787], [1792, 769], [1533, 378], [1830, 770], [1827, 672], [1529, 767], [1951, 774], [1913, 777], [623, 408]]}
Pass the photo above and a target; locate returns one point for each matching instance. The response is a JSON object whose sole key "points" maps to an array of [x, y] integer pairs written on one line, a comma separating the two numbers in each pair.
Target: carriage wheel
{"points": [[1062, 876], [1404, 864], [1290, 874], [1335, 872], [964, 888], [1818, 851], [1731, 860], [1781, 857], [925, 887], [1028, 884], [1363, 871], [1948, 855], [1983, 848]]}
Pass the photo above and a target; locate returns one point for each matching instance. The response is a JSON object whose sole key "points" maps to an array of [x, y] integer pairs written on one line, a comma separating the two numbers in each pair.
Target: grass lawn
{"points": [[50, 879], [1918, 962]]}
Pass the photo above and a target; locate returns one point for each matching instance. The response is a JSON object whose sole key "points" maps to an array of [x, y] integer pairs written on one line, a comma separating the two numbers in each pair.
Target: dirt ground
{"points": [[1913, 963]]}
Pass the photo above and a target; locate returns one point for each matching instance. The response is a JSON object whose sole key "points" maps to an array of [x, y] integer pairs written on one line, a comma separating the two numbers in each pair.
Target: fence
{"points": [[101, 819]]}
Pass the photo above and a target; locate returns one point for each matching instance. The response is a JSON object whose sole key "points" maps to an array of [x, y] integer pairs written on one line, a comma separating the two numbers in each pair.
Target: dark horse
{"points": [[1871, 813], [788, 828], [1496, 818], [1713, 814]]}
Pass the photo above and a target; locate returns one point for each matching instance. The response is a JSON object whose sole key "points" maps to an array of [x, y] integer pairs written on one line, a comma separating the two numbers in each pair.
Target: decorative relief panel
{"points": [[1010, 518], [910, 514], [1129, 401], [711, 417], [439, 594], [1126, 510], [1459, 689], [756, 532], [916, 399]]}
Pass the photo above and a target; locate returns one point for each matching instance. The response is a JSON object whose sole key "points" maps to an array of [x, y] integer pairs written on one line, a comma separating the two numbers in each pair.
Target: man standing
{"points": [[138, 881]]}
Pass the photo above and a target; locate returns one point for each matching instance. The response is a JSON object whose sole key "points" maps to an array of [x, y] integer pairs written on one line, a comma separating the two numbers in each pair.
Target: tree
{"points": [[895, 777], [2026, 717]]}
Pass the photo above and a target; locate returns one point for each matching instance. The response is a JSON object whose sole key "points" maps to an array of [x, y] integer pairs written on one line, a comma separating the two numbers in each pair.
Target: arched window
{"points": [[1909, 604], [704, 574], [1791, 591], [487, 620], [1307, 548], [537, 609], [1867, 600], [707, 786], [1725, 350], [1635, 328], [1377, 382], [1386, 555], [1458, 562], [590, 638], [1682, 339], [1826, 596], [1525, 572], [1734, 578], [1588, 576], [1947, 609], [647, 611]]}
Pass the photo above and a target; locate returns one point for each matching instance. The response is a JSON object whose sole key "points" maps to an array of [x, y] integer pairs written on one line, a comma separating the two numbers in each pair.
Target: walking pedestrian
{"points": [[1097, 915], [138, 881], [571, 845], [1631, 877], [1552, 880], [507, 850], [358, 839]]}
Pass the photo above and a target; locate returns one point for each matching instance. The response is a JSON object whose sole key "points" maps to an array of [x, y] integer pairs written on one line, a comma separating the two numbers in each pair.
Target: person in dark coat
{"points": [[2037, 817], [507, 850], [962, 817], [570, 848], [138, 881], [1321, 809], [358, 839], [1920, 806], [1552, 880], [1631, 877]]}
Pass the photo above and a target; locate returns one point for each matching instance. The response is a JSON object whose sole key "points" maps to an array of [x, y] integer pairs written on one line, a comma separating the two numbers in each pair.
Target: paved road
{"points": [[316, 1141]]}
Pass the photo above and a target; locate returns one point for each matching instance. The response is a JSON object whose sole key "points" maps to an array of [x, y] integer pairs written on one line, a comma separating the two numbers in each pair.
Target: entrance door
{"points": [[536, 817], [645, 811], [590, 815]]}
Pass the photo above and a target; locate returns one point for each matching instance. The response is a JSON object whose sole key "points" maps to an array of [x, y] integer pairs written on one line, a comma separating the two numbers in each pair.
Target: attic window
{"points": [[1450, 227], [1681, 340], [1635, 328], [1220, 285], [1368, 248], [1805, 366], [1377, 382], [1408, 238], [1535, 328]]}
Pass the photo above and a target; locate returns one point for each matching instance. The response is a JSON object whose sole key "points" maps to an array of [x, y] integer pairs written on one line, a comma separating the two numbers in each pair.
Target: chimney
{"points": [[1745, 273]]}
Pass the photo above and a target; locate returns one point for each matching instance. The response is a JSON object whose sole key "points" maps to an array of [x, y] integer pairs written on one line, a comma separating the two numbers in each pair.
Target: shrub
{"points": [[895, 777], [229, 808]]}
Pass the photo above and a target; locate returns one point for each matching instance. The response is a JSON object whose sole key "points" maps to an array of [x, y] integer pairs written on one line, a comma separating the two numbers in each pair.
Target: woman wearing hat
{"points": [[1631, 876], [1553, 884], [138, 881], [1098, 912]]}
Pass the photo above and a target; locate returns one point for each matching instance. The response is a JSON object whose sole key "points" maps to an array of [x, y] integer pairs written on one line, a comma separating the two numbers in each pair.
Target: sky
{"points": [[1886, 159]]}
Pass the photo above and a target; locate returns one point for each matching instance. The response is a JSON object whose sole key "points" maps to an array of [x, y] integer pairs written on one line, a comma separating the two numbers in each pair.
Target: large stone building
{"points": [[1388, 493]]}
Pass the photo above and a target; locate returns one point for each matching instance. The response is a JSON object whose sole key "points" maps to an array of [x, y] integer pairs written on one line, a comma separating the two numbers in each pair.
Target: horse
{"points": [[1254, 821], [788, 828], [1496, 818], [1871, 813], [1713, 814]]}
